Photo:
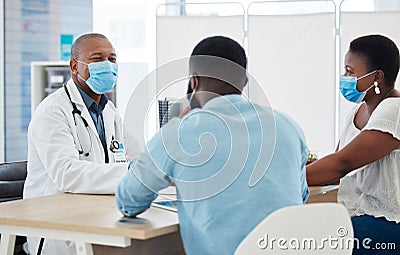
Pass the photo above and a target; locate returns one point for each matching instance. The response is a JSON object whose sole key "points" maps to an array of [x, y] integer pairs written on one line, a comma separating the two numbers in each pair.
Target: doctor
{"points": [[76, 141]]}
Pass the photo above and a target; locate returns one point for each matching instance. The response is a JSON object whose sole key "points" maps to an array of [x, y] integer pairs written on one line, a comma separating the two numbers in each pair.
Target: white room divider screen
{"points": [[177, 35], [293, 58], [295, 53]]}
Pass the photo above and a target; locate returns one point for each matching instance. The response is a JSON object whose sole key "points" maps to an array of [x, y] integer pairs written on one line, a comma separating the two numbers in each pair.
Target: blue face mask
{"points": [[348, 88], [103, 76]]}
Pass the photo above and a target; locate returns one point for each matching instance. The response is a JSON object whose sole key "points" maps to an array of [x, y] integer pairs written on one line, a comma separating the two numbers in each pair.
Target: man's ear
{"points": [[246, 81], [194, 82], [73, 65]]}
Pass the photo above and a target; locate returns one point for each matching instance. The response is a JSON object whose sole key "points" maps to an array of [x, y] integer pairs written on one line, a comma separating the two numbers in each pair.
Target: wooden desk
{"points": [[319, 194], [85, 219], [94, 219]]}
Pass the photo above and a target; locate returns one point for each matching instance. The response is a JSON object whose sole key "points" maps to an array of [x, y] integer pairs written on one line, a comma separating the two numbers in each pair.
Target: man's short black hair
{"points": [[220, 58], [76, 46], [381, 53], [223, 47]]}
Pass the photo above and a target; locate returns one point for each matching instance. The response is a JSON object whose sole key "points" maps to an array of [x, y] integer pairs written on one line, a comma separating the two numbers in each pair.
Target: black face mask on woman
{"points": [[193, 103]]}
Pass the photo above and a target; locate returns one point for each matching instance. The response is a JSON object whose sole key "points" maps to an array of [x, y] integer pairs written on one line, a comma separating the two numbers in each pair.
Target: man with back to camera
{"points": [[233, 162], [76, 141]]}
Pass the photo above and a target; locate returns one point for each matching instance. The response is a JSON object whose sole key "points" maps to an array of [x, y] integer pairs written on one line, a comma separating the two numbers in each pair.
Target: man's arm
{"points": [[132, 196], [141, 184]]}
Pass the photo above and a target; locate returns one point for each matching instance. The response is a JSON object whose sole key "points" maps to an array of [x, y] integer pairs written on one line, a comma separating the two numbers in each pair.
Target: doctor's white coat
{"points": [[56, 166]]}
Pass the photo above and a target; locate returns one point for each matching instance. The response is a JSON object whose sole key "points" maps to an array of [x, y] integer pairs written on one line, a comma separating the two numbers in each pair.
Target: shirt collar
{"points": [[89, 101], [223, 100]]}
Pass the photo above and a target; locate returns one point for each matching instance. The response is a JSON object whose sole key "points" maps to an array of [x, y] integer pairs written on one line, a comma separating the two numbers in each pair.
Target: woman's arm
{"points": [[367, 147]]}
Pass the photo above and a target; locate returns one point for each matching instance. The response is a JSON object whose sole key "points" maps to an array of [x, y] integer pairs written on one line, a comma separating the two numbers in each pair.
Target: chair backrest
{"points": [[12, 179], [321, 228]]}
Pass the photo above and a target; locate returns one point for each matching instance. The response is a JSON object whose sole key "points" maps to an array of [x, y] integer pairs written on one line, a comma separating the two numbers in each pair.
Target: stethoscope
{"points": [[75, 110], [114, 145]]}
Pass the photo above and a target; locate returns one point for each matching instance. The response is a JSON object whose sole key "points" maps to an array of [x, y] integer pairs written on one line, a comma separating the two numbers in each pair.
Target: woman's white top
{"points": [[374, 189]]}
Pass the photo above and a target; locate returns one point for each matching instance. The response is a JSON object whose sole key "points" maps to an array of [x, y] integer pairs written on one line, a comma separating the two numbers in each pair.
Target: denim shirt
{"points": [[249, 161]]}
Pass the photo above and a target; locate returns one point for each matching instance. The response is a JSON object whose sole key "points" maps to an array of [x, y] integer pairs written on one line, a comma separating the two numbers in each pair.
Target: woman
{"points": [[367, 160]]}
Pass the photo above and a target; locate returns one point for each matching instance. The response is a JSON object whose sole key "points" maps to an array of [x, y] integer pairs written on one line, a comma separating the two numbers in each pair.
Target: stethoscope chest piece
{"points": [[114, 145]]}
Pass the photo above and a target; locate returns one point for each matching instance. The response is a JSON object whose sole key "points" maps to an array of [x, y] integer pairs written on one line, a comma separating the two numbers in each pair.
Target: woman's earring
{"points": [[377, 90]]}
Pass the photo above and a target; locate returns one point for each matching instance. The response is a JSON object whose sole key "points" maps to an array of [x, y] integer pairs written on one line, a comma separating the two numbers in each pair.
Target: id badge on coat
{"points": [[120, 156]]}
